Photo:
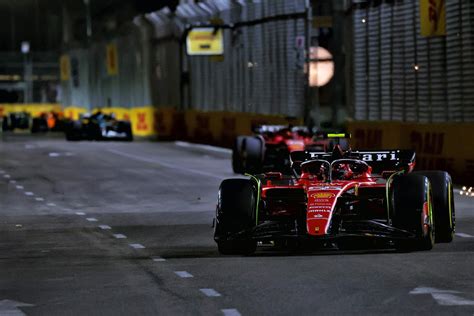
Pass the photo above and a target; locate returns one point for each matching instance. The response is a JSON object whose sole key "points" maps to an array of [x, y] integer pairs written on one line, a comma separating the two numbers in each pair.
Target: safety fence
{"points": [[402, 75]]}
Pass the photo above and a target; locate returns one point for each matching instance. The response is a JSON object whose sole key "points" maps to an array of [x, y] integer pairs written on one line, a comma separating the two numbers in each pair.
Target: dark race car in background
{"points": [[16, 120], [98, 126], [344, 199], [270, 147]]}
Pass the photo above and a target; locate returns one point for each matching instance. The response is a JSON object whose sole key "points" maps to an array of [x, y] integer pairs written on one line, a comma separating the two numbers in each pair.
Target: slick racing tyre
{"points": [[72, 131], [443, 204], [252, 153], [237, 164], [126, 127], [236, 215], [412, 211]]}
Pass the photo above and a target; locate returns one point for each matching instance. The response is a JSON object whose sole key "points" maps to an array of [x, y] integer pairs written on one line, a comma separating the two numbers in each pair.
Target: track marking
{"points": [[164, 164], [39, 199], [205, 147], [464, 235], [53, 155], [51, 204], [137, 246], [158, 259], [20, 187], [184, 274], [29, 193], [80, 213], [12, 181], [443, 297], [119, 236], [7, 176], [91, 219], [230, 312], [105, 227], [210, 292]]}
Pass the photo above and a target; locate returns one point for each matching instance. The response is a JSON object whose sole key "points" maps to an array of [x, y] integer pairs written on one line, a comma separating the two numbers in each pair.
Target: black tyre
{"points": [[235, 216], [5, 125], [126, 127], [72, 131], [237, 164], [411, 209], [252, 153], [443, 204]]}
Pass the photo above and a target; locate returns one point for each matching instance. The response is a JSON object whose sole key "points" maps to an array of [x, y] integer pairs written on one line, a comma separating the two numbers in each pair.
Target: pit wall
{"points": [[440, 146]]}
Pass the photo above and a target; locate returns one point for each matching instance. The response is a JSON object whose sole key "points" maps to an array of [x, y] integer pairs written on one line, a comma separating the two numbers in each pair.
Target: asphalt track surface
{"points": [[112, 228]]}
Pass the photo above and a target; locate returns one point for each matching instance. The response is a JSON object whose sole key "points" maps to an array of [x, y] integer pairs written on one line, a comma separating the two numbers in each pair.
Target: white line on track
{"points": [[205, 147], [20, 187], [464, 235], [51, 204], [105, 227], [210, 292], [230, 312], [29, 193], [164, 164], [137, 246], [39, 199], [119, 236], [184, 274], [80, 213], [12, 181], [158, 259], [91, 219], [7, 176]]}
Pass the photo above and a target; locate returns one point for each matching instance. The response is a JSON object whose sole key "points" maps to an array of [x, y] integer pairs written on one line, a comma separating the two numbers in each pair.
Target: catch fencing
{"points": [[402, 76]]}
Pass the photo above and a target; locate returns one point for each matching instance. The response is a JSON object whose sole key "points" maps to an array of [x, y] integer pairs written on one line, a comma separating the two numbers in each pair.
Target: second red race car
{"points": [[338, 198], [269, 148]]}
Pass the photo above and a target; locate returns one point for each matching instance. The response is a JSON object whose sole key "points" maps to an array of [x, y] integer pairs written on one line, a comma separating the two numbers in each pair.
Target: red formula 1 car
{"points": [[342, 199], [269, 148]]}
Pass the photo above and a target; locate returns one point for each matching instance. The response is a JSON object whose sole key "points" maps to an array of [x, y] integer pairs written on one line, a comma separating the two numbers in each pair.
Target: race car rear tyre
{"points": [[411, 204], [126, 127], [237, 165], [443, 204], [236, 215], [252, 152]]}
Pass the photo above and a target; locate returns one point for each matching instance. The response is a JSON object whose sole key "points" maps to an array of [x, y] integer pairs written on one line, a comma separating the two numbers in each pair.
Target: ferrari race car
{"points": [[269, 148], [338, 199], [98, 126]]}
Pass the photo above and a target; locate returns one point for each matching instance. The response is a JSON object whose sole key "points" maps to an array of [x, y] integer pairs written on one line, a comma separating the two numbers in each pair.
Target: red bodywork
{"points": [[321, 197]]}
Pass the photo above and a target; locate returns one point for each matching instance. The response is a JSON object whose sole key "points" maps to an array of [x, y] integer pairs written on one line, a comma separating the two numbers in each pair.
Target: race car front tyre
{"points": [[411, 203], [235, 216], [443, 204]]}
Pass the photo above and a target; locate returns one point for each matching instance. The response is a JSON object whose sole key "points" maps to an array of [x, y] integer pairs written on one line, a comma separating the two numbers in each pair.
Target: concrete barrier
{"points": [[444, 146]]}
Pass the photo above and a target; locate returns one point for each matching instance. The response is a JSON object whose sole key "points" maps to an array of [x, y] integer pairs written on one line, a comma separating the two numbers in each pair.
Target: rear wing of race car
{"points": [[380, 160]]}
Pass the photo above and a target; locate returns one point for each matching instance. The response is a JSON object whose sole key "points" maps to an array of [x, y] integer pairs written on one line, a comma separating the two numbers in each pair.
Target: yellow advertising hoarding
{"points": [[433, 17], [205, 41], [65, 67], [112, 59]]}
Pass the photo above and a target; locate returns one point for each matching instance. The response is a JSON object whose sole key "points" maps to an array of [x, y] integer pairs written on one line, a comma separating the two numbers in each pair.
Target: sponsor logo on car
{"points": [[326, 187], [323, 195]]}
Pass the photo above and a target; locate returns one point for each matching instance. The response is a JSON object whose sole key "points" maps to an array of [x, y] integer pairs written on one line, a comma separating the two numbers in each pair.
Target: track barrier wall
{"points": [[441, 146]]}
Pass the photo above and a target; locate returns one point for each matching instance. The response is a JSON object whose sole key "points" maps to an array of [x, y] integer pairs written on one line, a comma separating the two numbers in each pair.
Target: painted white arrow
{"points": [[443, 297], [10, 308]]}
